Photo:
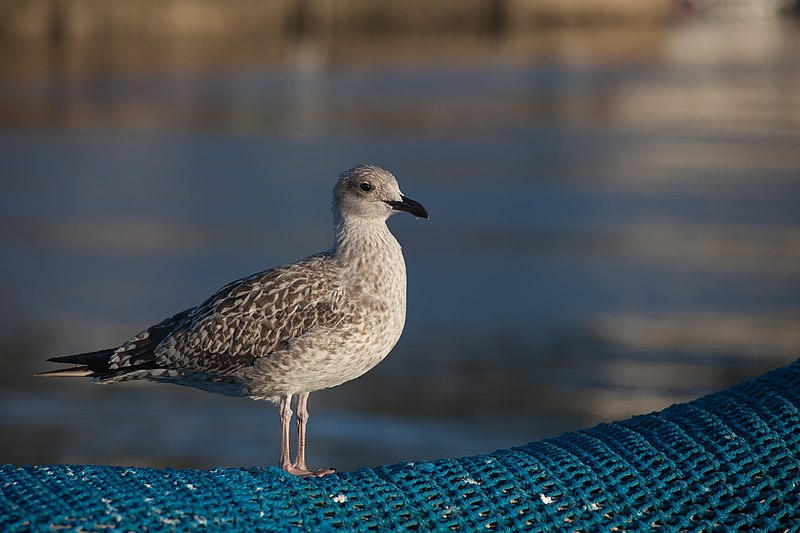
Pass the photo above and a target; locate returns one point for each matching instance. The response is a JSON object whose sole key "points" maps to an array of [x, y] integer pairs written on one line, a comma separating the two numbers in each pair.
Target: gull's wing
{"points": [[253, 317], [247, 318]]}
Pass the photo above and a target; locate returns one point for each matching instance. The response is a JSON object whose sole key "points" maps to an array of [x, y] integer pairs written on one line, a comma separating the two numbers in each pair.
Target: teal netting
{"points": [[725, 461]]}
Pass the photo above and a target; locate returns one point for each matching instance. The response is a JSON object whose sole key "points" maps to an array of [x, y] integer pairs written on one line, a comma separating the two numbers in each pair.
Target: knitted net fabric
{"points": [[728, 460]]}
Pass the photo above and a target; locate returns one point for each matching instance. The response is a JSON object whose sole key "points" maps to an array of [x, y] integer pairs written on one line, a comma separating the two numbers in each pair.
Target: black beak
{"points": [[409, 206]]}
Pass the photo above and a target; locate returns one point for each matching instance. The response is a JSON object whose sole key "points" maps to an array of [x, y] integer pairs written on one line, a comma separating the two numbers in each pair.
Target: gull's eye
{"points": [[365, 186]]}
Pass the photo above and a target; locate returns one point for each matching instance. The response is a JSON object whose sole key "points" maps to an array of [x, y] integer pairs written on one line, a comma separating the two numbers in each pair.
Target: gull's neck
{"points": [[357, 237]]}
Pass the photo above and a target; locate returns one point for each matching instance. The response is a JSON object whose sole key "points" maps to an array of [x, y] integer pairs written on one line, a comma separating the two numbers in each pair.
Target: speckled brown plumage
{"points": [[287, 331]]}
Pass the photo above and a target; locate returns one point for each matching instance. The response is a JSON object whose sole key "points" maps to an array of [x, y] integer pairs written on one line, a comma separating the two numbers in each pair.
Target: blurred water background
{"points": [[614, 199]]}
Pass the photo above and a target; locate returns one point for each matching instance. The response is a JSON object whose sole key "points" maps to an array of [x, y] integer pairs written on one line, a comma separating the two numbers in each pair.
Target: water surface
{"points": [[614, 227]]}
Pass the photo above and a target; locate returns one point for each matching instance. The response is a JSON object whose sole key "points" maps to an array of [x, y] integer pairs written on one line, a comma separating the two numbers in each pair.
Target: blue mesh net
{"points": [[728, 460]]}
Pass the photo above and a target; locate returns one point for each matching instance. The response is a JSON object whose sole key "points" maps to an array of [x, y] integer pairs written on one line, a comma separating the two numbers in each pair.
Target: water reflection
{"points": [[614, 227]]}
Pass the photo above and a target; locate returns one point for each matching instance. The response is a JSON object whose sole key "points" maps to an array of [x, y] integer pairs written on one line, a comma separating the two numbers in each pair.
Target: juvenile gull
{"points": [[287, 331]]}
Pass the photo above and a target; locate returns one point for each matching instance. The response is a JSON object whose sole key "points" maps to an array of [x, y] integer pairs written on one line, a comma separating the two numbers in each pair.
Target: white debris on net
{"points": [[450, 510], [339, 498], [547, 500]]}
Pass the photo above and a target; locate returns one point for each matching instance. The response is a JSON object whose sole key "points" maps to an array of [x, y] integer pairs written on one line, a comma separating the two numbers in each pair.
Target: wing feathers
{"points": [[247, 318], [252, 318]]}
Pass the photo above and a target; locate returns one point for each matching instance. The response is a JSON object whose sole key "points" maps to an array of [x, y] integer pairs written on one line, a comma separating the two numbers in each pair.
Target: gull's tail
{"points": [[137, 353], [85, 364]]}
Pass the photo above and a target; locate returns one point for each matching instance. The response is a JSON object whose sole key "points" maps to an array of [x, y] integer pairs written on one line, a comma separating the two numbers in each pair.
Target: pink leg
{"points": [[302, 419], [299, 467], [285, 413]]}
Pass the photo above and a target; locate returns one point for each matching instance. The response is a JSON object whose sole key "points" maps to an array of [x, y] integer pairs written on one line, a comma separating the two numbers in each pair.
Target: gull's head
{"points": [[371, 193]]}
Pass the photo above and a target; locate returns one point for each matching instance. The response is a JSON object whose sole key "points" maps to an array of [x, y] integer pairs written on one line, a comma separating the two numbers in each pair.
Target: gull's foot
{"points": [[305, 472]]}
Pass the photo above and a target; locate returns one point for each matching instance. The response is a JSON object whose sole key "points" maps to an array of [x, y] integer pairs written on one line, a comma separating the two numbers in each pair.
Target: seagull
{"points": [[286, 332]]}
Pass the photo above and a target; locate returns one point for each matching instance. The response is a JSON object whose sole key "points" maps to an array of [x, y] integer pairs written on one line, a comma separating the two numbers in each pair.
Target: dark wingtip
{"points": [[94, 360], [62, 359]]}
